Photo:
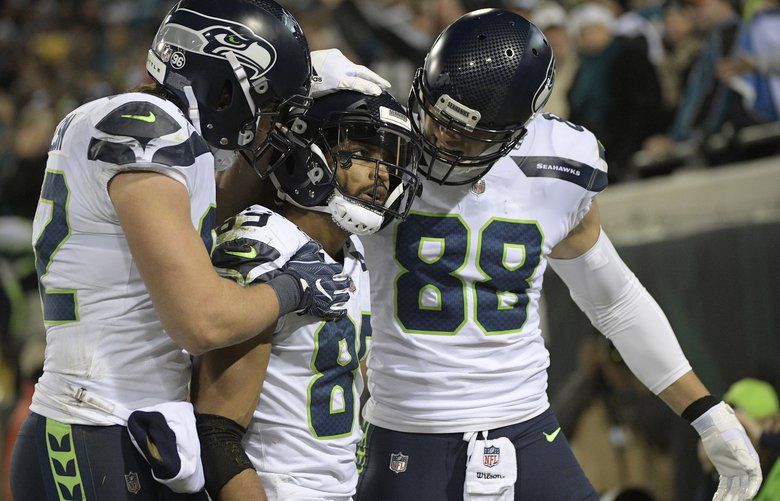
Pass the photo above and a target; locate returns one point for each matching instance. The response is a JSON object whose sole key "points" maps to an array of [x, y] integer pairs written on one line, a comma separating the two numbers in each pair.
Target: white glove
{"points": [[730, 451], [335, 72]]}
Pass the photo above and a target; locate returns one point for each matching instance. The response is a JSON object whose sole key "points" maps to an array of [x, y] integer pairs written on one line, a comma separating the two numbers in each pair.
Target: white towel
{"points": [[166, 437], [491, 468]]}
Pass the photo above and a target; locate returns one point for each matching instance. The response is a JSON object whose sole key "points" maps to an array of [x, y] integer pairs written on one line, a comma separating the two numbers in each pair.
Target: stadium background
{"points": [[696, 219]]}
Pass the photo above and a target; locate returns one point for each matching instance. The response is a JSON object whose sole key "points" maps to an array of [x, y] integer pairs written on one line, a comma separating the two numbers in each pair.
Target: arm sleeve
{"points": [[274, 238], [621, 308]]}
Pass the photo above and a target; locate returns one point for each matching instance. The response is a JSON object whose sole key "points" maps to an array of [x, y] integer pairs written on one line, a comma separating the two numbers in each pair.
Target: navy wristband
{"points": [[695, 410]]}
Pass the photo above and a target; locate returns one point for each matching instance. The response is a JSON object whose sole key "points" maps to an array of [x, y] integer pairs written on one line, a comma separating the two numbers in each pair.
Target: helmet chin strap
{"points": [[394, 195], [243, 80], [244, 137], [192, 108]]}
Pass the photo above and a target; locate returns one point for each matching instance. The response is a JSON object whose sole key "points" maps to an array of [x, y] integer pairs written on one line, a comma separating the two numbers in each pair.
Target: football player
{"points": [[356, 174], [457, 367], [123, 234]]}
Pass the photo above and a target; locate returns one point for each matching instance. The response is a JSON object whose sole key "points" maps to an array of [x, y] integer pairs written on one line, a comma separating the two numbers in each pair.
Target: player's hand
{"points": [[333, 72], [325, 291], [729, 448]]}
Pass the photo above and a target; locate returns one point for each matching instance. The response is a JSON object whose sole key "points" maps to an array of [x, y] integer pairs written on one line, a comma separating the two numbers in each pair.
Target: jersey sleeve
{"points": [[576, 156], [593, 151], [136, 131], [276, 242]]}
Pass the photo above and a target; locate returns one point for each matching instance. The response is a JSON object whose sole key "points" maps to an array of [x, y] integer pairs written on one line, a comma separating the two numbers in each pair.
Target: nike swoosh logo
{"points": [[551, 436], [150, 118], [250, 254], [322, 290]]}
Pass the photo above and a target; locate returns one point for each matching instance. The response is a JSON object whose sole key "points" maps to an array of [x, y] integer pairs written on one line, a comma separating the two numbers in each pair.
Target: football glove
{"points": [[333, 72], [730, 451], [325, 291]]}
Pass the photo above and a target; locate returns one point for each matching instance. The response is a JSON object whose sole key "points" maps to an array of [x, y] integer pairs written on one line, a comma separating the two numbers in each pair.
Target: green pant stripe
{"points": [[62, 459], [360, 453]]}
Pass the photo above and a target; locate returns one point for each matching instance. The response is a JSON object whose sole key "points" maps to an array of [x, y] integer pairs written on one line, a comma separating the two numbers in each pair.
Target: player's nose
{"points": [[380, 171]]}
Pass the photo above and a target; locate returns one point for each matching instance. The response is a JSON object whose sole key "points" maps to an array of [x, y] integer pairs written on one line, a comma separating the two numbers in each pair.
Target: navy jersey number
{"points": [[59, 305], [335, 363], [430, 294]]}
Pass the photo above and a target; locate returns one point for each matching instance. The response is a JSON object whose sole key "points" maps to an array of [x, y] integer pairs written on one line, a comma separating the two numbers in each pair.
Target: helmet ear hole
{"points": [[225, 96]]}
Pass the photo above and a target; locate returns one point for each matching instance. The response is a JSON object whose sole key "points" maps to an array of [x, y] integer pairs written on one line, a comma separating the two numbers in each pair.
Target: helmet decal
{"points": [[254, 53], [220, 60], [178, 59]]}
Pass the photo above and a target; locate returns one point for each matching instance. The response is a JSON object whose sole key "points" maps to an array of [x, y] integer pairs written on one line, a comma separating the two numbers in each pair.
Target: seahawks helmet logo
{"points": [[216, 37], [255, 54]]}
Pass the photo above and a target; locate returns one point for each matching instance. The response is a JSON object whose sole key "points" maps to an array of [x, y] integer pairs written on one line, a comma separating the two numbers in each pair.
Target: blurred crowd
{"points": [[662, 84], [657, 81], [633, 449]]}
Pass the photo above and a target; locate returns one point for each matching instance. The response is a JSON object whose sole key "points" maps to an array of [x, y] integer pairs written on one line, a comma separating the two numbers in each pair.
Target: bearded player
{"points": [[355, 174]]}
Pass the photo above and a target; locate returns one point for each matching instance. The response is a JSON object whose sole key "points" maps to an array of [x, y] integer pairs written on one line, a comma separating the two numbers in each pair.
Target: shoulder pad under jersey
{"points": [[560, 149], [142, 128]]}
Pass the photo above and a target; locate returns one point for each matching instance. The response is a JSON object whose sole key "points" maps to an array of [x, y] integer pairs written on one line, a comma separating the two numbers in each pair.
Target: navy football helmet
{"points": [[231, 62], [484, 79], [358, 161]]}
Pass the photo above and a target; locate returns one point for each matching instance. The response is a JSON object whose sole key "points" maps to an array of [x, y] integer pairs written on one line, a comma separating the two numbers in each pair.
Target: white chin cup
{"points": [[353, 217]]}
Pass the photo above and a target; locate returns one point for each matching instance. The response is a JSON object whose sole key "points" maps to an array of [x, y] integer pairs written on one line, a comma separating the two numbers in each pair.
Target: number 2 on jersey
{"points": [[432, 249], [59, 306]]}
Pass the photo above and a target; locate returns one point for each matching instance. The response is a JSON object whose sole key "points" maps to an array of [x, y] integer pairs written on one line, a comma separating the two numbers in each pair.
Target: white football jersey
{"points": [[456, 340], [304, 432], [102, 332]]}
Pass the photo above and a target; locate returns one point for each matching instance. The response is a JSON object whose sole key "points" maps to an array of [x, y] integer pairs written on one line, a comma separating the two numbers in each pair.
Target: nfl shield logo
{"points": [[398, 462], [133, 482], [491, 456]]}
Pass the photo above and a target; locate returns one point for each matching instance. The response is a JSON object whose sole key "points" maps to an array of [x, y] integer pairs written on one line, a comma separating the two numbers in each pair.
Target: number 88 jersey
{"points": [[456, 343]]}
